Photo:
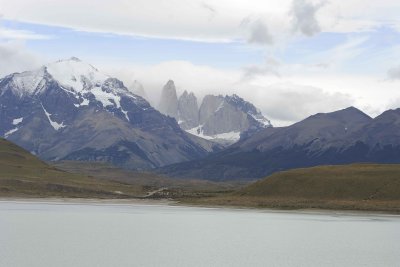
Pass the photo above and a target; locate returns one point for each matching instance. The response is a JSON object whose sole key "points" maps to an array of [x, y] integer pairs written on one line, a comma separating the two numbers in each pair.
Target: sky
{"points": [[290, 58]]}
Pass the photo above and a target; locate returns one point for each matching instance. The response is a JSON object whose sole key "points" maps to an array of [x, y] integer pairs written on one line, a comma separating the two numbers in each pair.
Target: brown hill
{"points": [[354, 187], [24, 175]]}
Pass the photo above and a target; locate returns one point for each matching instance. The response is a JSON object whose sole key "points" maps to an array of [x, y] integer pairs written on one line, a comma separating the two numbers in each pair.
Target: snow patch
{"points": [[28, 82], [229, 136], [105, 97], [126, 114], [57, 126], [85, 102], [220, 107], [262, 120], [17, 121], [10, 132]]}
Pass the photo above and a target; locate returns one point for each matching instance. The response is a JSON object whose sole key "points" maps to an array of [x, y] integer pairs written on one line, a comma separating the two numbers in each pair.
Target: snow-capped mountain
{"points": [[229, 118], [70, 110], [224, 119]]}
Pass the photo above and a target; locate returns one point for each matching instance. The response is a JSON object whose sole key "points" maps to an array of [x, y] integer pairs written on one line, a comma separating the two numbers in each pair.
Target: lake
{"points": [[88, 234]]}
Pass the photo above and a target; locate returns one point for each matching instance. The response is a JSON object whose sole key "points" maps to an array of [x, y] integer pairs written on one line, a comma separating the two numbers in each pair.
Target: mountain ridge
{"points": [[341, 137]]}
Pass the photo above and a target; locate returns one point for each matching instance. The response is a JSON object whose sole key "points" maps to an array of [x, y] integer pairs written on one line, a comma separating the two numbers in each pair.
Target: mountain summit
{"points": [[169, 100]]}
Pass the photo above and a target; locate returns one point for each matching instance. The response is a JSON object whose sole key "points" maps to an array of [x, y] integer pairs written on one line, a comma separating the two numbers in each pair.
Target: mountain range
{"points": [[344, 136], [224, 119], [69, 110]]}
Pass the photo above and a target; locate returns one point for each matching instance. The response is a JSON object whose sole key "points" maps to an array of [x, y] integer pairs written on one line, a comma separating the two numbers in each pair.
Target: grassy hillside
{"points": [[356, 187], [149, 181], [24, 175]]}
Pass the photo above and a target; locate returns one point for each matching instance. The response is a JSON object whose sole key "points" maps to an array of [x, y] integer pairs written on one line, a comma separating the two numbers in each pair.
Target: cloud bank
{"points": [[207, 21]]}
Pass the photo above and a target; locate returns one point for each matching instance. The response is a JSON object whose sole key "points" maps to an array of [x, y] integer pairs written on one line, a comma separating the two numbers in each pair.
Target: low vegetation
{"points": [[23, 175], [353, 187]]}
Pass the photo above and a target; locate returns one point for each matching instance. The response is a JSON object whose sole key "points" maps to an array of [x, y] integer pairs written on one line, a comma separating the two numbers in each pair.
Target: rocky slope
{"points": [[188, 111], [341, 137], [70, 110], [229, 117]]}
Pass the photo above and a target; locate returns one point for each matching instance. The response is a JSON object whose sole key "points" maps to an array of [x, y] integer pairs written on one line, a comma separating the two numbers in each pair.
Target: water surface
{"points": [[73, 234]]}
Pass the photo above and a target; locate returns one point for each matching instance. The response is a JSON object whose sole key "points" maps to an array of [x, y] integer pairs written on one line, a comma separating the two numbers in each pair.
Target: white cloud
{"points": [[209, 21], [304, 17], [286, 103], [270, 67], [15, 57], [200, 79], [394, 73], [258, 32], [10, 34], [284, 100]]}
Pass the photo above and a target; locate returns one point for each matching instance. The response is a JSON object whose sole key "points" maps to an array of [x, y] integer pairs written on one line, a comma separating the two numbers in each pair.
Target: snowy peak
{"points": [[62, 88], [221, 118], [75, 74], [249, 109], [26, 83]]}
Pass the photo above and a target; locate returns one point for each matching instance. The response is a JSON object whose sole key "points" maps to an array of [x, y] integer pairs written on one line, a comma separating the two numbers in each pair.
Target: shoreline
{"points": [[174, 203]]}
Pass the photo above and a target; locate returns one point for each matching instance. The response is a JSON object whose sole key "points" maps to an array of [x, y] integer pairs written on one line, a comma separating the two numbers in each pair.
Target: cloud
{"points": [[304, 17], [199, 79], [286, 103], [10, 34], [206, 21], [281, 101], [270, 67], [15, 57], [394, 73], [213, 12], [259, 33]]}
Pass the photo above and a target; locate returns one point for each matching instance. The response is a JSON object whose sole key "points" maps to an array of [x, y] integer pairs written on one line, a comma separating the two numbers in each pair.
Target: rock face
{"points": [[221, 119], [188, 111], [228, 118], [169, 100], [138, 89], [341, 137], [230, 114], [69, 110]]}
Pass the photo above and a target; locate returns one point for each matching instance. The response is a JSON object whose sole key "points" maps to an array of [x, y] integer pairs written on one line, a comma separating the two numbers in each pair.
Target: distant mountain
{"points": [[229, 117], [70, 110], [138, 89], [222, 119], [169, 100], [188, 111], [341, 137]]}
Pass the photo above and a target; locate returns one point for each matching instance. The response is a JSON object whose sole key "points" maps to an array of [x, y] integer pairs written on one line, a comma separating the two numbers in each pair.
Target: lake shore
{"points": [[169, 202]]}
